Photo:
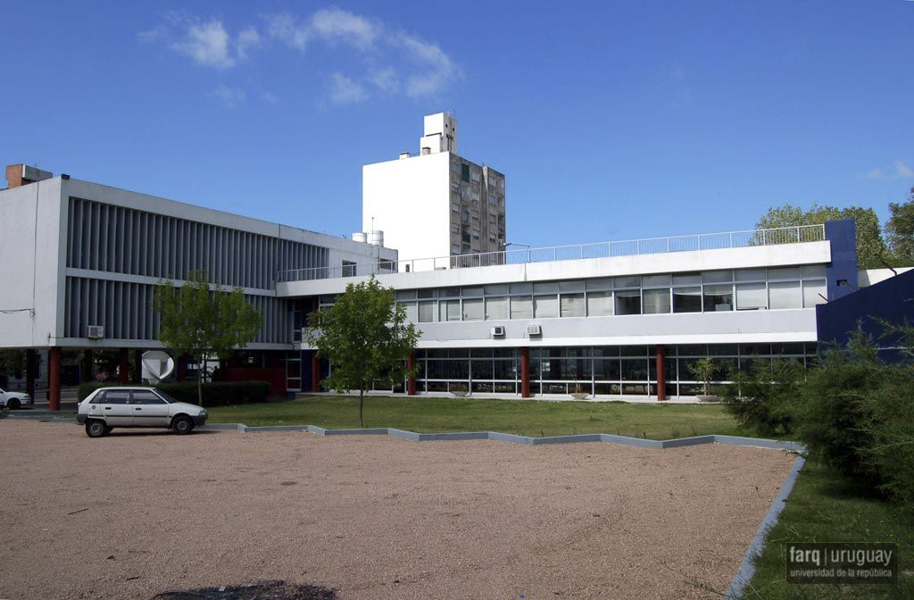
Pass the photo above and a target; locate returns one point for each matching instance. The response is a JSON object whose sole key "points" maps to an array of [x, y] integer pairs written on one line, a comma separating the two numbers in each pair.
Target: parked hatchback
{"points": [[110, 407], [14, 400]]}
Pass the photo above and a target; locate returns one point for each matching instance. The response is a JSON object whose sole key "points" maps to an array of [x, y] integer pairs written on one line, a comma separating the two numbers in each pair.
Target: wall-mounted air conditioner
{"points": [[498, 331], [534, 330], [95, 332]]}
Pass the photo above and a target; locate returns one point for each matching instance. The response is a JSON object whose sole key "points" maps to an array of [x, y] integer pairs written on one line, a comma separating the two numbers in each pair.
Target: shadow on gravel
{"points": [[265, 590]]}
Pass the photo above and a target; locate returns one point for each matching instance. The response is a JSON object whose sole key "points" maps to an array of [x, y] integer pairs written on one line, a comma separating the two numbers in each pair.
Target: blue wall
{"points": [[892, 300], [843, 267]]}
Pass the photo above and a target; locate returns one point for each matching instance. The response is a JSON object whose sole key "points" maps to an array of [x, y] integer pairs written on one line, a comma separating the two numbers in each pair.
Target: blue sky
{"points": [[611, 120]]}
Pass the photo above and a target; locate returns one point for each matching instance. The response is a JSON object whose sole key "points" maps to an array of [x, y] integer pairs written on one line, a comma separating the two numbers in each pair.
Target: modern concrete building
{"points": [[611, 320], [80, 262], [437, 204]]}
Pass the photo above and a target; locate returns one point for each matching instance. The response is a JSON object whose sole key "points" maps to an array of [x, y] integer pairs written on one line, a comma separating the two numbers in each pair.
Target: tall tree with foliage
{"points": [[899, 230], [871, 249], [12, 362], [202, 322], [366, 337]]}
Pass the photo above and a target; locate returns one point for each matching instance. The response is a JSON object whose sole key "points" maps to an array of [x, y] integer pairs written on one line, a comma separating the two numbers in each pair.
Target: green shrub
{"points": [[762, 397], [214, 394]]}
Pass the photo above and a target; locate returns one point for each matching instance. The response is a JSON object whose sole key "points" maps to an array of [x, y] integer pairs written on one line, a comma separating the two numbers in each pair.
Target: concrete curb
{"points": [[747, 567]]}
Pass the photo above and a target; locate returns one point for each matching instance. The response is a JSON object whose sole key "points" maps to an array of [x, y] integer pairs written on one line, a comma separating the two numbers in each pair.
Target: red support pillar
{"points": [[137, 374], [123, 367], [411, 381], [315, 373], [525, 372], [31, 372], [661, 373], [182, 368], [54, 379]]}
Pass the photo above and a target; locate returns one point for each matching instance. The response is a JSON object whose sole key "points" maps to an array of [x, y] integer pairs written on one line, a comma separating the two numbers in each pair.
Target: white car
{"points": [[14, 400], [110, 407]]}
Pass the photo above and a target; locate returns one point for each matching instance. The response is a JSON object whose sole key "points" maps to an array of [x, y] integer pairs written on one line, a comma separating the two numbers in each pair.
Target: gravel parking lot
{"points": [[137, 513]]}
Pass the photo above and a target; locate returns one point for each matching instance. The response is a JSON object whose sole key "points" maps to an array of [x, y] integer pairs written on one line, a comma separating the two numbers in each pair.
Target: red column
{"points": [[123, 367], [137, 374], [525, 372], [661, 373], [315, 373], [411, 381], [54, 379], [182, 367], [31, 364]]}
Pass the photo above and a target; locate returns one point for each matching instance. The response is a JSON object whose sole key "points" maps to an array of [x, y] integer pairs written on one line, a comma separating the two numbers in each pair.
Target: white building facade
{"points": [[435, 204]]}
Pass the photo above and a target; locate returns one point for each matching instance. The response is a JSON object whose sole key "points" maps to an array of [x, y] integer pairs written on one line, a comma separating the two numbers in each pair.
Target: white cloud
{"points": [[208, 44], [232, 97], [344, 90], [269, 98], [393, 61], [248, 38], [897, 170]]}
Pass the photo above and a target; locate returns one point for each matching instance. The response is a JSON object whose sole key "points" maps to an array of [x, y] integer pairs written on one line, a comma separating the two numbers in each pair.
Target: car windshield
{"points": [[166, 397]]}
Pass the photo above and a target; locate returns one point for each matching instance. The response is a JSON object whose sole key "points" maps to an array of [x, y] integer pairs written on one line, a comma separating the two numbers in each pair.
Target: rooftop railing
{"points": [[684, 243]]}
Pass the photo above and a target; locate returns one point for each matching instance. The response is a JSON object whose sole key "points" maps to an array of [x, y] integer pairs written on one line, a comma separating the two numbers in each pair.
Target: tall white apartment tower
{"points": [[436, 203]]}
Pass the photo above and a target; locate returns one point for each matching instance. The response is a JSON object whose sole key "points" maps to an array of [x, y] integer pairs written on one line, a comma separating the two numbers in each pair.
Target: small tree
{"points": [[201, 322], [703, 370], [366, 337]]}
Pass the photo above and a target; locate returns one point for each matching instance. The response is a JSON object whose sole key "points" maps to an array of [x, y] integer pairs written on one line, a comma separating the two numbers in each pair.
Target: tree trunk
{"points": [[200, 386], [361, 406]]}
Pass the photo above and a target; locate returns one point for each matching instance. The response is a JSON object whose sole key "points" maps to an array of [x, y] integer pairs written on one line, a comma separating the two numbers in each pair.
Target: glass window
{"points": [[432, 293], [599, 304], [687, 299], [146, 397], [496, 308], [473, 309], [450, 293], [628, 302], [426, 312], [784, 273], [718, 297], [549, 287], [813, 293], [687, 279], [627, 282], [116, 397], [750, 275], [656, 301], [572, 305], [634, 369], [449, 310], [412, 311], [716, 276], [521, 288], [496, 290], [655, 281], [522, 307], [545, 307], [472, 292], [604, 283], [571, 286], [406, 294], [786, 294], [816, 271], [751, 296]]}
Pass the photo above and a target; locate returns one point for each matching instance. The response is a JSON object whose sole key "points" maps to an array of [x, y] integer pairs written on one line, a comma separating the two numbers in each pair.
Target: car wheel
{"points": [[182, 425], [96, 428], [14, 404]]}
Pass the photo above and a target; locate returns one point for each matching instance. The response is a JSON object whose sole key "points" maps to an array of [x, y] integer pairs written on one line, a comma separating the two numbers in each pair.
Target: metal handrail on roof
{"points": [[683, 243]]}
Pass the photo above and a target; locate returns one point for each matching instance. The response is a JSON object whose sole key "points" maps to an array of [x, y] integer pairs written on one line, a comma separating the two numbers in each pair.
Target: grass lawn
{"points": [[824, 507], [532, 418]]}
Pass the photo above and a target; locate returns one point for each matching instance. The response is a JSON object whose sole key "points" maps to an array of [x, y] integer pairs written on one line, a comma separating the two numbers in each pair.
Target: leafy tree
{"points": [[366, 337], [900, 231], [201, 322], [871, 248], [763, 395], [12, 362]]}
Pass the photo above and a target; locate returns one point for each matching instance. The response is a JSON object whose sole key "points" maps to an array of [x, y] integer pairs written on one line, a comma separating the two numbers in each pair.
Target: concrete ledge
{"points": [[631, 441], [689, 441], [567, 439], [759, 442], [267, 429], [510, 437]]}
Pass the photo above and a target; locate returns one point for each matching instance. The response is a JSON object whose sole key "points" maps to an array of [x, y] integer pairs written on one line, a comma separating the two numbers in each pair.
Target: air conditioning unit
{"points": [[534, 330], [95, 332], [498, 331]]}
